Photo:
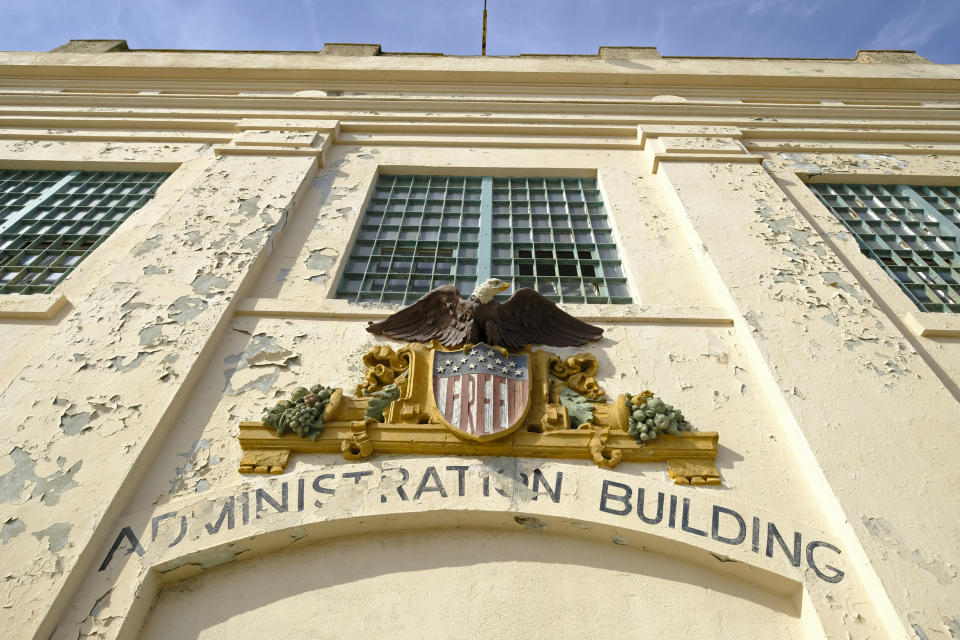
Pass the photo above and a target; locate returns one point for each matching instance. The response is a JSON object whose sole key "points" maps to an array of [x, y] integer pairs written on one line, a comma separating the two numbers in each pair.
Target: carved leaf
{"points": [[380, 400], [579, 408]]}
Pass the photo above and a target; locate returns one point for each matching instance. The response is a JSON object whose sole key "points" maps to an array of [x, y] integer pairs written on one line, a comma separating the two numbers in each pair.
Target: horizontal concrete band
{"points": [[620, 314]]}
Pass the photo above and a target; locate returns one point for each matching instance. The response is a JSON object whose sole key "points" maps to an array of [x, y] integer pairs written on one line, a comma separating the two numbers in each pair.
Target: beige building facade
{"points": [[769, 245]]}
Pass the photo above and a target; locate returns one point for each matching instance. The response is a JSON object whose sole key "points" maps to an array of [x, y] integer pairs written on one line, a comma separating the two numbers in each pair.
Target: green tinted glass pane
{"points": [[550, 234], [430, 228], [912, 232], [558, 243], [51, 220]]}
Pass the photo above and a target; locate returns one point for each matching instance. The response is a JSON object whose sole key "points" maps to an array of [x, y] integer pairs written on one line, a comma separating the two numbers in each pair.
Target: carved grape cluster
{"points": [[302, 413], [650, 416]]}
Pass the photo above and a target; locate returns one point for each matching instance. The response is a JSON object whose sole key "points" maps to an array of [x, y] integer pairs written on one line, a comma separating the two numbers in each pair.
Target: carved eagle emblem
{"points": [[526, 318]]}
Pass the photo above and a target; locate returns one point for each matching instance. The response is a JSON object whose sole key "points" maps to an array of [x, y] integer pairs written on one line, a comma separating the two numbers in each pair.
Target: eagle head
{"points": [[486, 291]]}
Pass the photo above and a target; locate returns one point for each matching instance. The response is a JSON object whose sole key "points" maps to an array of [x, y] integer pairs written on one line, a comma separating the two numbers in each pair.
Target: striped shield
{"points": [[480, 392]]}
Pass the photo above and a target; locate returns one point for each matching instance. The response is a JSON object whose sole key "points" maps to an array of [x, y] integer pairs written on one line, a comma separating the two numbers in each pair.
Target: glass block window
{"points": [[420, 232], [913, 232], [51, 220]]}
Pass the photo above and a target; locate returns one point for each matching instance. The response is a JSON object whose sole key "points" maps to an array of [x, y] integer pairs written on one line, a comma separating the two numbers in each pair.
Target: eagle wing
{"points": [[529, 318], [439, 315]]}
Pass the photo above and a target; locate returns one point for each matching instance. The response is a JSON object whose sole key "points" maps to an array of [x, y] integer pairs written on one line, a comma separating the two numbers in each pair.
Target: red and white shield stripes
{"points": [[480, 392]]}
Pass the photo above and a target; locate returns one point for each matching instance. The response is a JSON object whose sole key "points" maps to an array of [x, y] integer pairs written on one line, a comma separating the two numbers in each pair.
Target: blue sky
{"points": [[781, 28]]}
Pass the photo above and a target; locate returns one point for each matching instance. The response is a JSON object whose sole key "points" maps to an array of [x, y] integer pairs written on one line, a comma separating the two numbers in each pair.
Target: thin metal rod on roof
{"points": [[483, 46]]}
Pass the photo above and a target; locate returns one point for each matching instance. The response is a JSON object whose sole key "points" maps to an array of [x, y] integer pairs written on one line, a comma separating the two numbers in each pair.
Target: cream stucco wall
{"points": [[484, 583], [836, 401]]}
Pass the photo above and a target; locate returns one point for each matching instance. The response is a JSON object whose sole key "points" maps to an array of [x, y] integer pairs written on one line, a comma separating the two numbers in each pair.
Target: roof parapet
{"points": [[92, 46], [890, 56], [629, 53], [349, 49]]}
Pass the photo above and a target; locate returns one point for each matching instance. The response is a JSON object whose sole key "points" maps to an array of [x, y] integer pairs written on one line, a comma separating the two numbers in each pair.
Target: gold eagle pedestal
{"points": [[535, 421]]}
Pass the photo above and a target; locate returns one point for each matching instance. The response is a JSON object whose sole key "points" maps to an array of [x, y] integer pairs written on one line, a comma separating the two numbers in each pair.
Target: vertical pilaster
{"points": [[802, 316], [129, 386]]}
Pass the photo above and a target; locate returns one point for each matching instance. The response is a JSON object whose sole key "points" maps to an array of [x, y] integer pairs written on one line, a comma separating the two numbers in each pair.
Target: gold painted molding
{"points": [[413, 423], [689, 456]]}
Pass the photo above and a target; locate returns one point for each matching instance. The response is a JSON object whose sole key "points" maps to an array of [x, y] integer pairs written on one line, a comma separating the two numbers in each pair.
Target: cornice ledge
{"points": [[646, 131], [288, 124], [614, 314], [32, 307], [933, 325], [729, 157], [589, 71], [694, 143], [281, 137]]}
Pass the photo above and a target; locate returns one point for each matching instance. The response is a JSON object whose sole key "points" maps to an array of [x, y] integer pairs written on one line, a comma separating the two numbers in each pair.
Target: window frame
{"points": [[914, 268], [93, 212], [487, 248]]}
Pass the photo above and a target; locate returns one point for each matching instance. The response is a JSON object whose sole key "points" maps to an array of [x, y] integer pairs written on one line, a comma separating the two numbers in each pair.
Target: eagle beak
{"points": [[503, 286]]}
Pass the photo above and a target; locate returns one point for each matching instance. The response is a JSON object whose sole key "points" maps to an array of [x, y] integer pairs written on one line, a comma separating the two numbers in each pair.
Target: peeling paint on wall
{"points": [[72, 424], [321, 259], [207, 283], [208, 559], [198, 463], [880, 528], [185, 308], [22, 477], [11, 529], [117, 362], [56, 535], [146, 246], [953, 625]]}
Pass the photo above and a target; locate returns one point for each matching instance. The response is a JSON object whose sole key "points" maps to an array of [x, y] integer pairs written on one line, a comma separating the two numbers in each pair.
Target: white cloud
{"points": [[916, 27], [794, 8], [310, 8], [803, 10]]}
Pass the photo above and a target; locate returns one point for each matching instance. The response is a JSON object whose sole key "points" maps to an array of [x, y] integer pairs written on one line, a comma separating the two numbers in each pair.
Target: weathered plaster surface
{"points": [[755, 313], [510, 577], [638, 212], [128, 346], [942, 354], [818, 331], [187, 535]]}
